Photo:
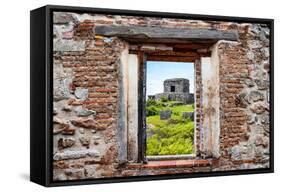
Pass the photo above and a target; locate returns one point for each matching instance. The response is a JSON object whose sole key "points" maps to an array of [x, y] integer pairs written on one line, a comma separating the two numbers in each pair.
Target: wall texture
{"points": [[87, 84]]}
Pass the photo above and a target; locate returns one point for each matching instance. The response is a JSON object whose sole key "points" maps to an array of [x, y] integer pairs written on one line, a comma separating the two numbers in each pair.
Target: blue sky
{"points": [[158, 71]]}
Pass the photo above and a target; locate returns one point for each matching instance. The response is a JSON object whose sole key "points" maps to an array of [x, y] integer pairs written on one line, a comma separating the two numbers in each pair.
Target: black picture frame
{"points": [[41, 81]]}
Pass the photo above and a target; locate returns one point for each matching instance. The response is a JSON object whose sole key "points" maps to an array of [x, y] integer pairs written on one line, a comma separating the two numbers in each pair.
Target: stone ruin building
{"points": [[98, 97], [176, 89]]}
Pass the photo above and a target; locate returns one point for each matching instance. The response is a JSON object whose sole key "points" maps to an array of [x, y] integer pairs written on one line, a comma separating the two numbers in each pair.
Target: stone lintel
{"points": [[139, 32]]}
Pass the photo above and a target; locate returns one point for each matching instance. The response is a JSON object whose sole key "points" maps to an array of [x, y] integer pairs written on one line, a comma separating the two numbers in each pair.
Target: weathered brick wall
{"points": [[86, 99], [244, 92]]}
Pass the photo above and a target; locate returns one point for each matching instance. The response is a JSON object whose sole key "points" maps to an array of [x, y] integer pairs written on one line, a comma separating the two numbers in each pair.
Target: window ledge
{"points": [[171, 157], [173, 164]]}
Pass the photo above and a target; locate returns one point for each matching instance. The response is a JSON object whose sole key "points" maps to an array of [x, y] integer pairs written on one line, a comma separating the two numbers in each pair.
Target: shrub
{"points": [[150, 102], [177, 113], [171, 139], [178, 120], [163, 99], [174, 121], [151, 110]]}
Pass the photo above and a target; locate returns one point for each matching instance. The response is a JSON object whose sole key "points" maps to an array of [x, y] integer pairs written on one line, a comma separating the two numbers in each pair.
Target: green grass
{"points": [[181, 108], [169, 137]]}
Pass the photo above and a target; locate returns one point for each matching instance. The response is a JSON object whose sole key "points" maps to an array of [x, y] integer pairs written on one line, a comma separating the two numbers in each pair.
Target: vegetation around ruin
{"points": [[173, 136]]}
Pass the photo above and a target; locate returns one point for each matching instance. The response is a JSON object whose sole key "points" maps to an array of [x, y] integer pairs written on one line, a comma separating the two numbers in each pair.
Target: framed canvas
{"points": [[125, 95]]}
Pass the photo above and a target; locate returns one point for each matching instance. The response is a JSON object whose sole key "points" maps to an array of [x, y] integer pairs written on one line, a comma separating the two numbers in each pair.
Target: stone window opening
{"points": [[206, 130], [144, 44], [173, 88]]}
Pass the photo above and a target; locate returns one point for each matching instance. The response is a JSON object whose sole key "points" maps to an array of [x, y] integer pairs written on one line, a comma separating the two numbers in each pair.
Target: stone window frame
{"points": [[206, 140], [199, 46]]}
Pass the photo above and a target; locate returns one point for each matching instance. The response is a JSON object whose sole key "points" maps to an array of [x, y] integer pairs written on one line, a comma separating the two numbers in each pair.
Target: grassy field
{"points": [[169, 137]]}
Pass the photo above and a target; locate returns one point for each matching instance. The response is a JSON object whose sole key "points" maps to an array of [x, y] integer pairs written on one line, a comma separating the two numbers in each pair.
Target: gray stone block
{"points": [[165, 114], [81, 112], [189, 115], [76, 154], [81, 93], [61, 89], [62, 18], [255, 96], [68, 45]]}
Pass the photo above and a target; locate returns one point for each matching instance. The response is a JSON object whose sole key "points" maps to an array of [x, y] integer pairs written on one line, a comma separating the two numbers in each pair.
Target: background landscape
{"points": [[175, 135]]}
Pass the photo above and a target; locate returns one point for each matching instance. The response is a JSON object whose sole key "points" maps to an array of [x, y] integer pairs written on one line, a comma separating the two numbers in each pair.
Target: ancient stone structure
{"points": [[98, 65], [176, 89]]}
